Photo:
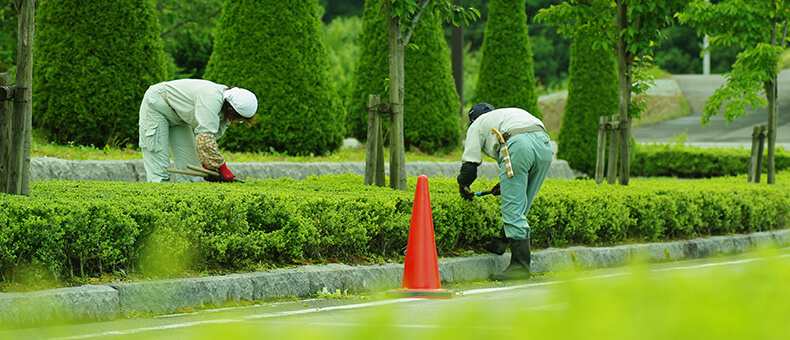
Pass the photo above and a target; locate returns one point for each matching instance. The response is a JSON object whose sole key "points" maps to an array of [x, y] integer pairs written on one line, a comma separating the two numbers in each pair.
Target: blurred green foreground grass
{"points": [[749, 299]]}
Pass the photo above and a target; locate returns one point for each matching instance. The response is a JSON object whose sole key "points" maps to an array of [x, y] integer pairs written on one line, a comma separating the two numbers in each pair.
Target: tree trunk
{"points": [[624, 62], [19, 162], [397, 152]]}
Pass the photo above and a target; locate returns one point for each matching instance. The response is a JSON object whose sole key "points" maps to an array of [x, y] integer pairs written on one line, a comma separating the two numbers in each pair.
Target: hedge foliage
{"points": [[93, 62], [276, 49], [90, 228], [678, 160], [592, 92], [431, 113], [507, 75]]}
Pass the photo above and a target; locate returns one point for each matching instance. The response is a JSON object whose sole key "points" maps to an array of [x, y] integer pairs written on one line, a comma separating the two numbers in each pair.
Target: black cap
{"points": [[478, 110]]}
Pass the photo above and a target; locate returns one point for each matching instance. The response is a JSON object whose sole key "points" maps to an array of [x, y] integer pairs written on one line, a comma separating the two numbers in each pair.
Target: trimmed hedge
{"points": [[277, 50], [592, 92], [84, 229], [507, 75], [93, 62], [677, 160]]}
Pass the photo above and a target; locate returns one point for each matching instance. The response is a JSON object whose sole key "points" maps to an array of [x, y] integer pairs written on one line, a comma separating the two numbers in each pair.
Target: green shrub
{"points": [[276, 49], [371, 70], [677, 160], [93, 62], [431, 118], [507, 75], [592, 92], [78, 229]]}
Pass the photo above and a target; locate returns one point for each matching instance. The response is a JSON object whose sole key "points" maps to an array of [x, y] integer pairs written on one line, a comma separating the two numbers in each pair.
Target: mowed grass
{"points": [[747, 299]]}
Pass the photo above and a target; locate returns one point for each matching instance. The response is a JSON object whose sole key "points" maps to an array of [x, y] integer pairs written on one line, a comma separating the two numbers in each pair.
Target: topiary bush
{"points": [[93, 62], [507, 75], [592, 92], [431, 118], [284, 62], [372, 70]]}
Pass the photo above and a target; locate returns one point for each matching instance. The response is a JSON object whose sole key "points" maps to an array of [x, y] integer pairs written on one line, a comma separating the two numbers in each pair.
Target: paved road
{"points": [[477, 311], [697, 88]]}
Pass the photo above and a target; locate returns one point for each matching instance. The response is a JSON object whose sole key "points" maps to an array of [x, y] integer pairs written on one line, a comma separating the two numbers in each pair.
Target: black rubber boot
{"points": [[519, 262], [498, 244]]}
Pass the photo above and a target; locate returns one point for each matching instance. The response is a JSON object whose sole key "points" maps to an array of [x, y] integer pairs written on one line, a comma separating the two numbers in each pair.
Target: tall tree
{"points": [[630, 27], [402, 17], [432, 123], [94, 61], [735, 22], [507, 74], [284, 62]]}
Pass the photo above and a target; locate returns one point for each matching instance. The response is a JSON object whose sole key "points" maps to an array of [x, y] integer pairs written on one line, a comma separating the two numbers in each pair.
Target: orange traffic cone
{"points": [[421, 270]]}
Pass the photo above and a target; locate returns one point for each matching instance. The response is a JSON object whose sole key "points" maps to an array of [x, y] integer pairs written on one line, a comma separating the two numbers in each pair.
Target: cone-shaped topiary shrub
{"points": [[592, 92], [431, 120], [93, 62], [507, 76], [372, 69], [276, 49]]}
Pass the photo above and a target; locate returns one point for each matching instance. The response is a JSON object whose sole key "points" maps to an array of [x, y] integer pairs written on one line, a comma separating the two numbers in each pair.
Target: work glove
{"points": [[495, 190], [227, 176], [466, 193], [226, 173], [210, 178]]}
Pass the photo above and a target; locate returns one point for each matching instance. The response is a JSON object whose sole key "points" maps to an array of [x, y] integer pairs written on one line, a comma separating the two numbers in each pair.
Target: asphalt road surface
{"points": [[697, 88], [474, 313]]}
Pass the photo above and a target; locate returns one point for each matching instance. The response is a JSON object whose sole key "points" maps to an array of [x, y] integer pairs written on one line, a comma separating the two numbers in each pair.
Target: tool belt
{"points": [[514, 132]]}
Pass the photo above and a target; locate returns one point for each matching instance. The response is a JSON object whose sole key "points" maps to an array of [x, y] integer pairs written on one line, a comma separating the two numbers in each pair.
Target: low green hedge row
{"points": [[83, 229], [678, 160]]}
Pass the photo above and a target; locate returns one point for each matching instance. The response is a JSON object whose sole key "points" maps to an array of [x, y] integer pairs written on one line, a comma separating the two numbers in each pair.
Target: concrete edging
{"points": [[48, 168], [110, 301]]}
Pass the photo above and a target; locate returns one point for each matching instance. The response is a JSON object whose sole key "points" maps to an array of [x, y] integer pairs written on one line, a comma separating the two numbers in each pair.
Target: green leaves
{"points": [[299, 111], [749, 25], [117, 49]]}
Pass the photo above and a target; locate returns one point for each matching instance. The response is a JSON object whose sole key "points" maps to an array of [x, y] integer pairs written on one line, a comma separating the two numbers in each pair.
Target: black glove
{"points": [[212, 178], [495, 190], [466, 193]]}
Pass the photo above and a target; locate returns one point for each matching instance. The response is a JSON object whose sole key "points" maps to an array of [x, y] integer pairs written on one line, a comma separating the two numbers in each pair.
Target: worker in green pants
{"points": [[519, 143]]}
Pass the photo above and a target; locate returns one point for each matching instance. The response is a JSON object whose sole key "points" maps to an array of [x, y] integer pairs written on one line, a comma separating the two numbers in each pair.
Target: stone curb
{"points": [[110, 301], [48, 168]]}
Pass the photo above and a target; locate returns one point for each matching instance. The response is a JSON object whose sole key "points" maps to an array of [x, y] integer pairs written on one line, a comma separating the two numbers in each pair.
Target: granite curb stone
{"points": [[49, 168], [110, 301]]}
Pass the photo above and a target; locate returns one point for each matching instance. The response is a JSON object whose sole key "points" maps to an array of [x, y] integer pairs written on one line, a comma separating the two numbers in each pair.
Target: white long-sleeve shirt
{"points": [[479, 136]]}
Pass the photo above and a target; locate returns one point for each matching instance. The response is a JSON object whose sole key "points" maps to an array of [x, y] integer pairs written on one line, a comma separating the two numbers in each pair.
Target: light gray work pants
{"points": [[163, 134], [530, 157]]}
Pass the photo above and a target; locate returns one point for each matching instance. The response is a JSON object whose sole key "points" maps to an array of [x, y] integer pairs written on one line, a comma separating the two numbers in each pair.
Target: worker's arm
{"points": [[208, 151]]}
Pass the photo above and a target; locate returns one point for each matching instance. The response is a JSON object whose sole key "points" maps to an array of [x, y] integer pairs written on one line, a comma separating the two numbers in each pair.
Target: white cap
{"points": [[243, 101]]}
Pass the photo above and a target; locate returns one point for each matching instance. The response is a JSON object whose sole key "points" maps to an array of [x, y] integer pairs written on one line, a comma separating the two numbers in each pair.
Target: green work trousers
{"points": [[530, 156]]}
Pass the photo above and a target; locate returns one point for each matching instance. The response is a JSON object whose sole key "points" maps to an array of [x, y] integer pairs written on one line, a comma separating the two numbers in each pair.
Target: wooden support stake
{"points": [[6, 112], [614, 143], [760, 149], [374, 134], [753, 159], [600, 156]]}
